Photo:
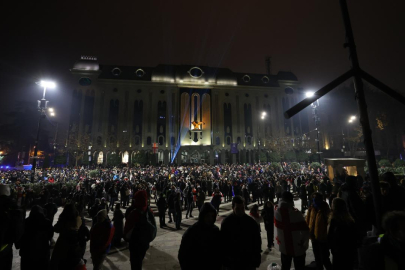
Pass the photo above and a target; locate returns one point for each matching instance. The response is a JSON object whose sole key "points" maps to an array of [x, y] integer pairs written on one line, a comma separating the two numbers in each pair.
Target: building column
{"points": [[223, 153], [166, 157]]}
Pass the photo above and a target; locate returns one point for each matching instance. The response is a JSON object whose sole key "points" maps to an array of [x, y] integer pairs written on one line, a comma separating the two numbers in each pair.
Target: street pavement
{"points": [[163, 251]]}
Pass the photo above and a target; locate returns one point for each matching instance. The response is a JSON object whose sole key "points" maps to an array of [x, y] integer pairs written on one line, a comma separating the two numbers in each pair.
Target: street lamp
{"points": [[314, 106], [42, 106], [309, 94]]}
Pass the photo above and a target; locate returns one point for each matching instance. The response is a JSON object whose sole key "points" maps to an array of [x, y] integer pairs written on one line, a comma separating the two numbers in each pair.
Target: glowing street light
{"points": [[47, 84], [350, 120], [309, 94], [353, 117], [42, 104]]}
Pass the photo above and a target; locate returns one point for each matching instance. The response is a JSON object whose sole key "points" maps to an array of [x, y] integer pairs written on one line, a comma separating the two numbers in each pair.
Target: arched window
{"points": [[217, 141], [148, 141], [137, 140], [172, 141], [99, 140], [100, 158], [228, 140], [161, 140]]}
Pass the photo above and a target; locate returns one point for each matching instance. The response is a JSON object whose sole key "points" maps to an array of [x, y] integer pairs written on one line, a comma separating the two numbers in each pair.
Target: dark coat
{"points": [[268, 217], [241, 242], [201, 240], [35, 242], [378, 255]]}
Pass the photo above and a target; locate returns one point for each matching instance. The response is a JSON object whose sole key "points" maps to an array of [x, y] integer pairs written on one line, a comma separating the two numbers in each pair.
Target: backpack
{"points": [[145, 230]]}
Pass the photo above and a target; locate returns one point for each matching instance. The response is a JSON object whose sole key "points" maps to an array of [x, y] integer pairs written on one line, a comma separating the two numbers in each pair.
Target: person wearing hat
{"points": [[11, 226], [101, 236], [201, 238], [34, 245]]}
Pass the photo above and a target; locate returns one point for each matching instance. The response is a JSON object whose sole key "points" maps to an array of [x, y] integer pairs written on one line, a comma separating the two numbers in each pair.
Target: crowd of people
{"points": [[336, 215]]}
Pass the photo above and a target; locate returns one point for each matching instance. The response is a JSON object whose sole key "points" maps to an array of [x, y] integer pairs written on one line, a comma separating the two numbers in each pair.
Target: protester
{"points": [[241, 239], [118, 220], [317, 220], [101, 236], [162, 206], [51, 209], [66, 253], [11, 226], [177, 210], [34, 244], [267, 215], [388, 252], [140, 229], [292, 233], [342, 236], [200, 239], [254, 213]]}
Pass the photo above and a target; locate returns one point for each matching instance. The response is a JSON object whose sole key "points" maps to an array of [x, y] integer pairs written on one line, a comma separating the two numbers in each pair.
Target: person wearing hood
{"points": [[317, 220], [138, 224], [34, 245], [241, 236], [101, 236], [201, 238], [292, 232]]}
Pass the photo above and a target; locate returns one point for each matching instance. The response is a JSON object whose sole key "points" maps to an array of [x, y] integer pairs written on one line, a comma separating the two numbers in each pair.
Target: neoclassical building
{"points": [[183, 113]]}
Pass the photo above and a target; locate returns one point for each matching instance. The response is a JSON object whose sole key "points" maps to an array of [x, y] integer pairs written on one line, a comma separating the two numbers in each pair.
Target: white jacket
{"points": [[292, 232]]}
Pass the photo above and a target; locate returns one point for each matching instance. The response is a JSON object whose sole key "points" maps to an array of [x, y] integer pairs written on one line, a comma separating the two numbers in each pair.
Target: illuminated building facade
{"points": [[193, 113]]}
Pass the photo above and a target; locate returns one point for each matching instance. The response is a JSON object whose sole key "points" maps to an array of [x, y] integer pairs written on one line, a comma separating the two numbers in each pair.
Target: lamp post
{"points": [[42, 106], [352, 144], [263, 116], [314, 107]]}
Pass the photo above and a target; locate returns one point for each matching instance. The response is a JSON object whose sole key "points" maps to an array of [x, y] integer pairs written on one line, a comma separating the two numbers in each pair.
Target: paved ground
{"points": [[163, 251]]}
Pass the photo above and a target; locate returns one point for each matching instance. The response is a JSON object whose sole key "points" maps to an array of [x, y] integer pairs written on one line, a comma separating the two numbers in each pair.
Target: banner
{"points": [[234, 148]]}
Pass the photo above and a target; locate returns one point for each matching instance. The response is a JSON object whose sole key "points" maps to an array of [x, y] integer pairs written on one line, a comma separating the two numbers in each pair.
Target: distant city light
{"points": [[52, 114], [50, 110], [264, 113], [353, 117]]}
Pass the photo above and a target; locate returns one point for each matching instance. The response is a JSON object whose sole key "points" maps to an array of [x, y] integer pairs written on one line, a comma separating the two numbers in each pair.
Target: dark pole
{"points": [[364, 120], [317, 142], [34, 158]]}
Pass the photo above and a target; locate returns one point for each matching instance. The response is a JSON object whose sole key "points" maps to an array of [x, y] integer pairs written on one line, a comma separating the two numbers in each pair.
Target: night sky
{"points": [[44, 39]]}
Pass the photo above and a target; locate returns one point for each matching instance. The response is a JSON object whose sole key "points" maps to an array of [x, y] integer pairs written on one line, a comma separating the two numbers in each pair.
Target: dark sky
{"points": [[44, 39]]}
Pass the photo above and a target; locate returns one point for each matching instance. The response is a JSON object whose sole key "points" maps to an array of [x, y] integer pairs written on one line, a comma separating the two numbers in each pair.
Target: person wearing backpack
{"points": [[34, 245], [140, 229]]}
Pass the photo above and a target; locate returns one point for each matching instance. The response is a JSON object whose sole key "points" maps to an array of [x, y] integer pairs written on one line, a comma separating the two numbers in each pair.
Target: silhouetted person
{"points": [[101, 236], [35, 249], [342, 238], [388, 252], [202, 239], [241, 239]]}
